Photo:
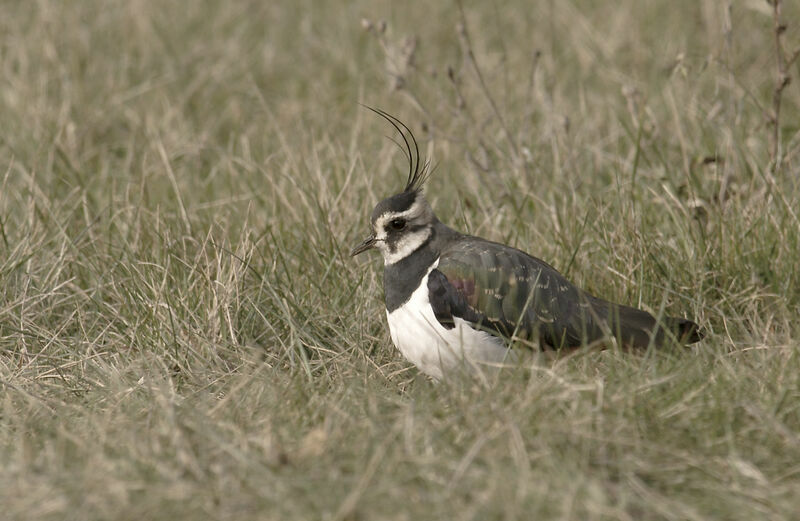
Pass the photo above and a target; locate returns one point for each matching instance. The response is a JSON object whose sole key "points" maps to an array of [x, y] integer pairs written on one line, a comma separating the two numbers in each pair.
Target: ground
{"points": [[182, 332]]}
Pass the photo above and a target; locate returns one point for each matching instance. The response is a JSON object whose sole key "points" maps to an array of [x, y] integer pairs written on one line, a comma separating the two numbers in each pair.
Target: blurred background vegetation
{"points": [[182, 334]]}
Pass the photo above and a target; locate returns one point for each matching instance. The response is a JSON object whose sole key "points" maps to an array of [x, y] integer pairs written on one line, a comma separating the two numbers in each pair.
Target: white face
{"points": [[399, 234]]}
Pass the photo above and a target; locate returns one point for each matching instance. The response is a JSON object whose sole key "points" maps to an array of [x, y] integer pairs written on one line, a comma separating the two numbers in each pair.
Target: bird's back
{"points": [[507, 291]]}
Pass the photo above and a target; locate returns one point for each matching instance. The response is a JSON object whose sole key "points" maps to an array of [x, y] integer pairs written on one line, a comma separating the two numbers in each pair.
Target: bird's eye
{"points": [[397, 224]]}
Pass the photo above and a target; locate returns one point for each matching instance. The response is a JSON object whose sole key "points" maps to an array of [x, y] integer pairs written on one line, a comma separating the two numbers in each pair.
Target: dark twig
{"points": [[467, 41], [782, 80]]}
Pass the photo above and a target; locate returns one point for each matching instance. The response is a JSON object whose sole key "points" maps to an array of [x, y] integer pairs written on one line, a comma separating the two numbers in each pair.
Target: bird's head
{"points": [[403, 222]]}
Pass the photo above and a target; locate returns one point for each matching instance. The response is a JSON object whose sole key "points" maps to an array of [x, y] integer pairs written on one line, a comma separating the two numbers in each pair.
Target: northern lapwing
{"points": [[454, 299]]}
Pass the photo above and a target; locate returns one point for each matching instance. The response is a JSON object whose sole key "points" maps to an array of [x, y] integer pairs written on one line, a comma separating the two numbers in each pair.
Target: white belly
{"points": [[434, 349]]}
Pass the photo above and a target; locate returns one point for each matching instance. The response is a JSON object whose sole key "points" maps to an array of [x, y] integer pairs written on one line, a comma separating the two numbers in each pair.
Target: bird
{"points": [[456, 300]]}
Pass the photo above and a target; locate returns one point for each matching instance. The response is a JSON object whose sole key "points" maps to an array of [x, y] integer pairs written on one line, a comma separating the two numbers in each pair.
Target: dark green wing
{"points": [[511, 293], [508, 292]]}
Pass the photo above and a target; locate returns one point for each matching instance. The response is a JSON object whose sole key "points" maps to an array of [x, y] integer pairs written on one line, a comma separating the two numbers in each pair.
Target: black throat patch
{"points": [[404, 276]]}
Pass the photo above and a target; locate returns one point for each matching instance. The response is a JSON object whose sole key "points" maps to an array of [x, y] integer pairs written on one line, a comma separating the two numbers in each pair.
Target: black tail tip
{"points": [[686, 331]]}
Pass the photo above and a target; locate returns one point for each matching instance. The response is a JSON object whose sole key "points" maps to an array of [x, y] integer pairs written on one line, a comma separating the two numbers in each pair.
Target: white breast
{"points": [[434, 349]]}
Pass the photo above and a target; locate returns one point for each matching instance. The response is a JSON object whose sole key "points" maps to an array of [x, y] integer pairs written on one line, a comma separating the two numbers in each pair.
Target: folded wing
{"points": [[511, 294]]}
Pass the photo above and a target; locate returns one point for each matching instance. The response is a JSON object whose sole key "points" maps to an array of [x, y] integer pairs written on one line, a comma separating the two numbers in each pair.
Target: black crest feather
{"points": [[418, 170]]}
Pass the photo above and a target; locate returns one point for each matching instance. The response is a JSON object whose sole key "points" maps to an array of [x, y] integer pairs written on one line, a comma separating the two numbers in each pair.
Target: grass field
{"points": [[182, 333]]}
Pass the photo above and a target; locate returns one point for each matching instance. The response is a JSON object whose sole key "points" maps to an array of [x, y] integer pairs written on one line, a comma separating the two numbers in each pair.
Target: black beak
{"points": [[368, 243]]}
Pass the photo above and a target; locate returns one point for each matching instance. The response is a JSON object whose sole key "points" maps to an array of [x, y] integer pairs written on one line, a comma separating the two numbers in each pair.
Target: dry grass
{"points": [[182, 335]]}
